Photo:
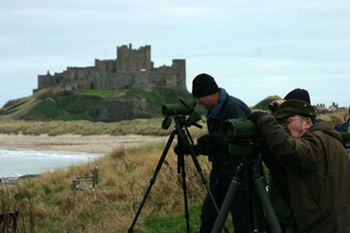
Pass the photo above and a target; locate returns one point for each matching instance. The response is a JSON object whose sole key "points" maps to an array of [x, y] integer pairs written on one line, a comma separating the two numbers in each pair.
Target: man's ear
{"points": [[308, 123]]}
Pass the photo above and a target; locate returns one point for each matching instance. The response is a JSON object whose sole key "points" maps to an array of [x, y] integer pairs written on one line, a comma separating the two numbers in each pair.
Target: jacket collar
{"points": [[215, 112]]}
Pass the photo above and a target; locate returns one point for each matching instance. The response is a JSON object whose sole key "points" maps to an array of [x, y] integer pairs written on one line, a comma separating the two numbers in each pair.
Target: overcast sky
{"points": [[253, 48]]}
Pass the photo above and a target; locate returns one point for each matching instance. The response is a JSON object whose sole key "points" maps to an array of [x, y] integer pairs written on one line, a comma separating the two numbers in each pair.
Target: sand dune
{"points": [[69, 142]]}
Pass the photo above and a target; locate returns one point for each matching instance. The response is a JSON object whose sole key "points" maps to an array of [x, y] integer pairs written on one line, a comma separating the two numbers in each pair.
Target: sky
{"points": [[253, 49]]}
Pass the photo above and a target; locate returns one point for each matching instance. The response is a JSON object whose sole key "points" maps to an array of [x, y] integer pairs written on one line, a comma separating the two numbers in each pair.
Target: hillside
{"points": [[102, 105], [105, 106], [263, 104]]}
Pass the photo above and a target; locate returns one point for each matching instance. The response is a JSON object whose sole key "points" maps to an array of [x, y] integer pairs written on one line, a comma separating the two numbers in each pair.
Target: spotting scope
{"points": [[234, 130], [181, 109]]}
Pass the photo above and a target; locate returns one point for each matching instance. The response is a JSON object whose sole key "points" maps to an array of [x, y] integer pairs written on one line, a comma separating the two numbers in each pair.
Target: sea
{"points": [[16, 163]]}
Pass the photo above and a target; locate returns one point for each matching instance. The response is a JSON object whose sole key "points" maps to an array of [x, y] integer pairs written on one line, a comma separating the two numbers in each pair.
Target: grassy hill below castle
{"points": [[263, 104], [93, 105], [101, 105]]}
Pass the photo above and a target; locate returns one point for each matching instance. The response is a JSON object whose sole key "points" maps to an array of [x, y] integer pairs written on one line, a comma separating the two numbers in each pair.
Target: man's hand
{"points": [[274, 105], [205, 140], [255, 116], [205, 145], [184, 150]]}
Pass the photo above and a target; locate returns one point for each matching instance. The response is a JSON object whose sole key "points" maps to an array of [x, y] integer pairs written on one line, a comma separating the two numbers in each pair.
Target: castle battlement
{"points": [[132, 68]]}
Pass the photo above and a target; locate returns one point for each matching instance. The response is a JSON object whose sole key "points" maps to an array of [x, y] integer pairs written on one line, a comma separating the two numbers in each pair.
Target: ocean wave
{"points": [[16, 163]]}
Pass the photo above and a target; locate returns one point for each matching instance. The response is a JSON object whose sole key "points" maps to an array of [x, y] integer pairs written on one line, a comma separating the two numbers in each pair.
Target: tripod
{"points": [[185, 143], [256, 213]]}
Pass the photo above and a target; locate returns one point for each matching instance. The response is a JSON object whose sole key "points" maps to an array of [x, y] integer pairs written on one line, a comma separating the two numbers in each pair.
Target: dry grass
{"points": [[54, 128], [47, 203], [336, 117]]}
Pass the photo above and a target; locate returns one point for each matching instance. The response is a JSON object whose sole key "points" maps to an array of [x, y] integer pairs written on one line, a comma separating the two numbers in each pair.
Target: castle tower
{"points": [[129, 60], [179, 69]]}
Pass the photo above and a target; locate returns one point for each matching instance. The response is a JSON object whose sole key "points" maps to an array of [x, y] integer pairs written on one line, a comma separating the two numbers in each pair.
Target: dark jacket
{"points": [[318, 169], [224, 164]]}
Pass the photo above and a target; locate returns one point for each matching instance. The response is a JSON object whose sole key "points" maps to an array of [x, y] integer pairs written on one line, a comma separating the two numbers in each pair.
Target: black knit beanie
{"points": [[204, 85], [298, 94]]}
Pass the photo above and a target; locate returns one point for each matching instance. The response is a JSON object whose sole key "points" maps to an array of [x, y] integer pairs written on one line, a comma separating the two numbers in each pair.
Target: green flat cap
{"points": [[295, 107]]}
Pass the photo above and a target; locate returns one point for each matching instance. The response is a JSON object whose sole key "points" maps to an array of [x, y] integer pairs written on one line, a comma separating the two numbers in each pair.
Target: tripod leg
{"points": [[265, 200], [205, 182], [226, 205], [152, 181], [183, 141], [184, 187]]}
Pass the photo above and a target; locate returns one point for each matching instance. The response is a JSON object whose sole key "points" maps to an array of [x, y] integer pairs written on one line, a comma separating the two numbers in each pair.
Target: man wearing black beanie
{"points": [[221, 107]]}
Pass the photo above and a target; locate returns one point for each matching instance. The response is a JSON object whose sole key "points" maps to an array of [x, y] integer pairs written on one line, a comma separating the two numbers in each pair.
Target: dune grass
{"points": [[47, 203], [54, 128], [137, 126]]}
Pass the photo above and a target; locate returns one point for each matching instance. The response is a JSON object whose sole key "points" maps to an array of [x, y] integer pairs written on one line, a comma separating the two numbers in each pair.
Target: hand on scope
{"points": [[184, 150], [206, 145], [187, 150], [255, 116]]}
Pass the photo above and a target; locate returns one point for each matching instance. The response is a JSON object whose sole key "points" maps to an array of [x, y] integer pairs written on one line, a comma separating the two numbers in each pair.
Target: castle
{"points": [[132, 68]]}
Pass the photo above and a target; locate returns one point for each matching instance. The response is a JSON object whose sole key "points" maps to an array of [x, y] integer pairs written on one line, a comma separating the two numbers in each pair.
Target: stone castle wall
{"points": [[132, 68]]}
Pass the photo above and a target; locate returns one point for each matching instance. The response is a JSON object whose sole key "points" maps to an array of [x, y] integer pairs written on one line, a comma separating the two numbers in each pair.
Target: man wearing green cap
{"points": [[316, 163]]}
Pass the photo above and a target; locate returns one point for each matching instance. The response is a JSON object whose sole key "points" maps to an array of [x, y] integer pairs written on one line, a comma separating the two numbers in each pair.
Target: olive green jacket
{"points": [[318, 175]]}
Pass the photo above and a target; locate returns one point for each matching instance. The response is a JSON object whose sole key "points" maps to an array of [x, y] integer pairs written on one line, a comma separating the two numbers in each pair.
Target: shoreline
{"points": [[74, 143]]}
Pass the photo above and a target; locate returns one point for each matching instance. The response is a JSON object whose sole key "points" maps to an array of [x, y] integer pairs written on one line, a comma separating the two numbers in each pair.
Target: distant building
{"points": [[132, 68], [333, 107], [321, 108]]}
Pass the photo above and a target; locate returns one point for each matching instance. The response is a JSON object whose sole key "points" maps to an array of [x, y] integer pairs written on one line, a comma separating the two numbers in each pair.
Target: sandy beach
{"points": [[75, 143]]}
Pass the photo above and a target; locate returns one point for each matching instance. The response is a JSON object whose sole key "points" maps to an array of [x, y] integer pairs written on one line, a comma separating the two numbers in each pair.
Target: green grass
{"points": [[173, 223], [102, 93], [57, 104], [170, 222], [80, 104], [45, 110]]}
